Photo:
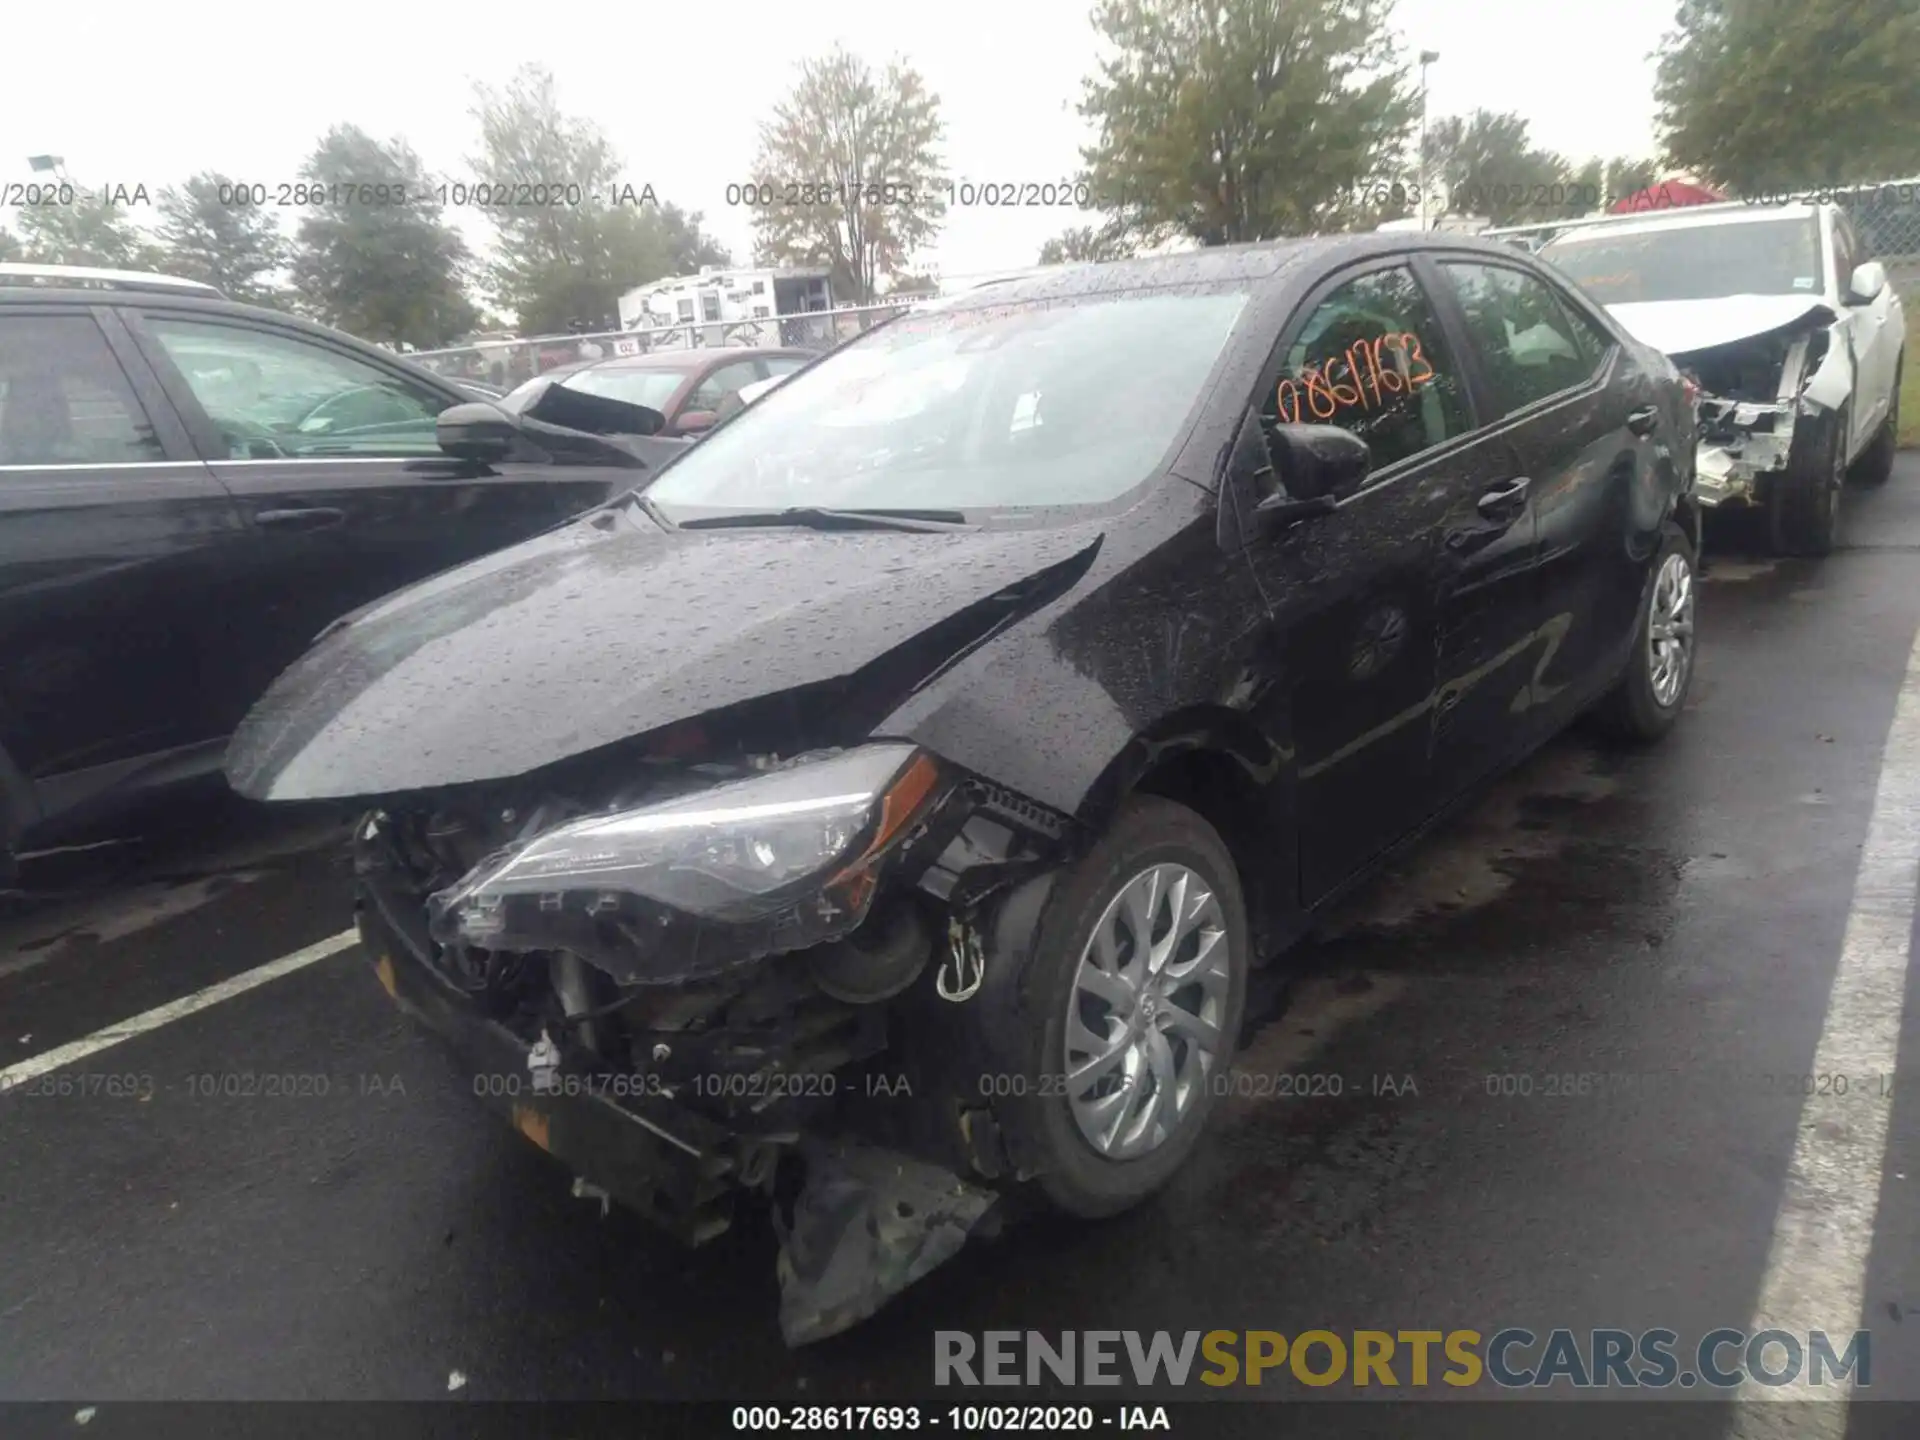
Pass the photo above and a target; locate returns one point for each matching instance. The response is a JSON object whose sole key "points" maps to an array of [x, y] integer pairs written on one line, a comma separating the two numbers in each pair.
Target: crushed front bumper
{"points": [[1747, 446], [673, 1166], [1744, 447], [867, 1223]]}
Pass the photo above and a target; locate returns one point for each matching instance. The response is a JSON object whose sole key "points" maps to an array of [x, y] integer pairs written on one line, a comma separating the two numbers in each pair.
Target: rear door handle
{"points": [[321, 517], [1505, 500], [1643, 420]]}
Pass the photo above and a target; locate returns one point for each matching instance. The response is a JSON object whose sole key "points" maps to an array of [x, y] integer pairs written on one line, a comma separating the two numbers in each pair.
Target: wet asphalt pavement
{"points": [[1674, 915]]}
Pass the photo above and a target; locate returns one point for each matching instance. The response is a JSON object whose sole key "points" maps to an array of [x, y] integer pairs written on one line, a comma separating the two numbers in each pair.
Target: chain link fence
{"points": [[507, 363], [1885, 215]]}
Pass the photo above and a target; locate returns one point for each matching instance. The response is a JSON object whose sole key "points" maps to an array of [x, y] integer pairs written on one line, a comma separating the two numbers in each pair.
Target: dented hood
{"points": [[592, 634], [1680, 327]]}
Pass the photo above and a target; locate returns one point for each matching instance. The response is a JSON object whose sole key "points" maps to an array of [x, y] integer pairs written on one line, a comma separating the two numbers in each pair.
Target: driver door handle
{"points": [[321, 517], [1643, 420], [1505, 500]]}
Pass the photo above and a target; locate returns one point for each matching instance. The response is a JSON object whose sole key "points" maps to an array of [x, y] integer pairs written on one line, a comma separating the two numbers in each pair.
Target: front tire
{"points": [[1132, 1007], [1650, 694], [1803, 512]]}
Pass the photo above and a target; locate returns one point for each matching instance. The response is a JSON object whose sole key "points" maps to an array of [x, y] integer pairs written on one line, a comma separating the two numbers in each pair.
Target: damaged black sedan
{"points": [[880, 820]]}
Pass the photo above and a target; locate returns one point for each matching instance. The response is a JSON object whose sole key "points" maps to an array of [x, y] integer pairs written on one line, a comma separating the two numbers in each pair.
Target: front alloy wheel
{"points": [[1129, 1013], [1669, 653], [1652, 688], [1143, 1024]]}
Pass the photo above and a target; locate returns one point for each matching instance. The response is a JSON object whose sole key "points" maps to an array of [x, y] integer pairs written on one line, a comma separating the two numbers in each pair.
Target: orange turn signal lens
{"points": [[903, 802]]}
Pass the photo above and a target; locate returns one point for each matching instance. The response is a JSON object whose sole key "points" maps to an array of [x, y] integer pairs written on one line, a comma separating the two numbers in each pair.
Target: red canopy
{"points": [[1665, 196]]}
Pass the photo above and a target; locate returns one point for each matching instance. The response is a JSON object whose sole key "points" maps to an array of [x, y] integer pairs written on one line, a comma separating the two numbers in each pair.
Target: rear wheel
{"points": [[1132, 1007], [1803, 512], [1652, 690], [1875, 464]]}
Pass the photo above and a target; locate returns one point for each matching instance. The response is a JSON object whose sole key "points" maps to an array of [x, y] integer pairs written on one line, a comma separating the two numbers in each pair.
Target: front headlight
{"points": [[774, 862]]}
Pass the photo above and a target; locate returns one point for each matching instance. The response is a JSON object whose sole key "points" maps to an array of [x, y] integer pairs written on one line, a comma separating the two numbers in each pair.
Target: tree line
{"points": [[1211, 123]]}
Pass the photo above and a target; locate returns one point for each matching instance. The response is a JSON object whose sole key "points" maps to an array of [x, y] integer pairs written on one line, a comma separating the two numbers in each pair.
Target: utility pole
{"points": [[1427, 57]]}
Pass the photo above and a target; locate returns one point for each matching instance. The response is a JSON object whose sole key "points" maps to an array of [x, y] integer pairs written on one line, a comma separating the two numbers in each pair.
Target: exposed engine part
{"points": [[543, 1064], [578, 999], [877, 961], [1758, 370]]}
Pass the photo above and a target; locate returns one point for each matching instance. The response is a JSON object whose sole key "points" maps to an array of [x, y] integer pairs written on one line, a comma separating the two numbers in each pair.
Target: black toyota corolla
{"points": [[885, 814]]}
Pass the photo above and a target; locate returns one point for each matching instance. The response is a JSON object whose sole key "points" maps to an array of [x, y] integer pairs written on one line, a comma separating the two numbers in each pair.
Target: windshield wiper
{"points": [[815, 517], [638, 499]]}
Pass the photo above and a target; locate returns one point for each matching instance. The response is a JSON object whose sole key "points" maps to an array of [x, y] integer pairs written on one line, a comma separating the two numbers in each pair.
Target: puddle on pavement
{"points": [[1736, 571], [109, 890], [1717, 865], [1482, 910], [1469, 862]]}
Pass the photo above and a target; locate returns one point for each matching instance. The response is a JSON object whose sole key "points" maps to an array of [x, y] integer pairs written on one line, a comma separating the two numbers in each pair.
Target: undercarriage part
{"points": [[877, 961], [867, 1224]]}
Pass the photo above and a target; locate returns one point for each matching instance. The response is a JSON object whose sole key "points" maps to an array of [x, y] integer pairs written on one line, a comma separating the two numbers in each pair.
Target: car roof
{"points": [[1259, 263], [672, 359], [186, 301], [689, 360], [1685, 217], [92, 277]]}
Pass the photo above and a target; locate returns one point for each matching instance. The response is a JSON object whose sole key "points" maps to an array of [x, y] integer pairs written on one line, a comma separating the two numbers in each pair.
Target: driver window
{"points": [[273, 396], [722, 383], [1370, 360]]}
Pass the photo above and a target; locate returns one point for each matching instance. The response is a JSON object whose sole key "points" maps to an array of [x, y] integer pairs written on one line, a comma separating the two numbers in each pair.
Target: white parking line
{"points": [[176, 1009], [1817, 1268]]}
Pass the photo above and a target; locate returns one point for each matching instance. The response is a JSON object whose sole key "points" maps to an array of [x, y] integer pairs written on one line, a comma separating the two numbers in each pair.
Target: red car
{"points": [[687, 386]]}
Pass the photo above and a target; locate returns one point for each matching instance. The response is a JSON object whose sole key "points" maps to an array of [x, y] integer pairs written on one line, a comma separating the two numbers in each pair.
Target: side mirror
{"points": [[1318, 466], [695, 422], [476, 431], [1869, 279]]}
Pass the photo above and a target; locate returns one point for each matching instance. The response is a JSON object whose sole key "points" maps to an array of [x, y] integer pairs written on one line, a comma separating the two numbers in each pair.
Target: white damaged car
{"points": [[1793, 341]]}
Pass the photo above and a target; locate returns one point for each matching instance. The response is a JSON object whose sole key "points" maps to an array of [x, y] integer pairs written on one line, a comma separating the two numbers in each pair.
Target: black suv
{"points": [[190, 491]]}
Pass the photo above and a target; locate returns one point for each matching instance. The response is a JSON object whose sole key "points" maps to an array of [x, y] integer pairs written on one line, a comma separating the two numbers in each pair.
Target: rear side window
{"points": [[1370, 359], [1528, 342], [275, 396], [1593, 340], [64, 400], [721, 383]]}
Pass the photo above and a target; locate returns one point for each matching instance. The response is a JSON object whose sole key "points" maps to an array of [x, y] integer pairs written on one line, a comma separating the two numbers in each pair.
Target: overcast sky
{"points": [[164, 90]]}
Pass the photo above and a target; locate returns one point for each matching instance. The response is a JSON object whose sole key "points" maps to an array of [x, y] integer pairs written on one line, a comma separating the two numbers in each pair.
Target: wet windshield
{"points": [[1022, 404], [1694, 262]]}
